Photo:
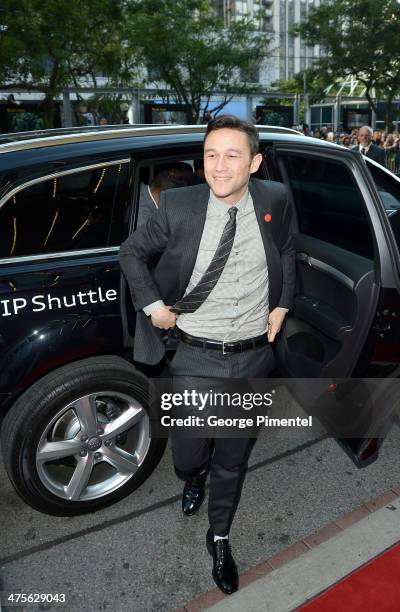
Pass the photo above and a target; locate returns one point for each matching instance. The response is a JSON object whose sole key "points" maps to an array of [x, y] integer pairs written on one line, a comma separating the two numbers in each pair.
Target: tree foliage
{"points": [[47, 45], [188, 49], [361, 39], [308, 81]]}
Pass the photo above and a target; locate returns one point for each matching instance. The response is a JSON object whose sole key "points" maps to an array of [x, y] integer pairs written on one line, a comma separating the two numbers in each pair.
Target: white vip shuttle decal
{"points": [[47, 301]]}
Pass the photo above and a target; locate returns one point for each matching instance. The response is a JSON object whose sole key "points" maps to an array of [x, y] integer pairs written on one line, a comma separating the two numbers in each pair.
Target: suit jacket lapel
{"points": [[262, 207], [196, 218]]}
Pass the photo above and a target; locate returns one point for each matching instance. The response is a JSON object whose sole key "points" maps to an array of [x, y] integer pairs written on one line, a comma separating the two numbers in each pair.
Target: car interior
{"points": [[336, 287]]}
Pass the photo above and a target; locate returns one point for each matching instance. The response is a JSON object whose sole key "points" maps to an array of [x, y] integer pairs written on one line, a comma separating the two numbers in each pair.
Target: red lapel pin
{"points": [[267, 218]]}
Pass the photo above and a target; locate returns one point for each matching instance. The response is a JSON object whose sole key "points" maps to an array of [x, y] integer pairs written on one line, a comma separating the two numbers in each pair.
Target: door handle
{"points": [[326, 268], [304, 258]]}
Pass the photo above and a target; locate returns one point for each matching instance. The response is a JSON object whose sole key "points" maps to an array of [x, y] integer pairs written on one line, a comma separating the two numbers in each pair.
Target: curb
{"points": [[205, 600]]}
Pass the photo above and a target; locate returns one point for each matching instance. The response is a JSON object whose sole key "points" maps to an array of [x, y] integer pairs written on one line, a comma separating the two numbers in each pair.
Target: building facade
{"points": [[288, 54]]}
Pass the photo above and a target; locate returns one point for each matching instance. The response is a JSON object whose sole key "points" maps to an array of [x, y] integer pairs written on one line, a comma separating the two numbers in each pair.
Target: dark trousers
{"points": [[227, 458]]}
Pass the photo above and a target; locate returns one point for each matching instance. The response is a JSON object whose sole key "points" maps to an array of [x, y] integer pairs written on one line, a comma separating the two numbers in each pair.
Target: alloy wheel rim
{"points": [[93, 446]]}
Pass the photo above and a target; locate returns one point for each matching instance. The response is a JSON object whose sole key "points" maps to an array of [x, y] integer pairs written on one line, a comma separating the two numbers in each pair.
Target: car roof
{"points": [[44, 138], [49, 133]]}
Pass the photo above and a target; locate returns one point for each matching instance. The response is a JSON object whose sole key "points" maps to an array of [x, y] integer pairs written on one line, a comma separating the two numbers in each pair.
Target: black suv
{"points": [[76, 422]]}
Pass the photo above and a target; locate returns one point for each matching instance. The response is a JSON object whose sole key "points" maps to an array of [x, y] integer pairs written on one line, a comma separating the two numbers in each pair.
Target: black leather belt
{"points": [[225, 347]]}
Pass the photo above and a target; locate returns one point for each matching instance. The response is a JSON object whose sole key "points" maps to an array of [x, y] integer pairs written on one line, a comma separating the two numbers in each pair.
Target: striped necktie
{"points": [[195, 298]]}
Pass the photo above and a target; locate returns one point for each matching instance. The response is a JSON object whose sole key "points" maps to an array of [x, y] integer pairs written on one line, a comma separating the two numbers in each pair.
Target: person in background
{"points": [[367, 147], [390, 143], [339, 132], [324, 131], [198, 165], [377, 138], [346, 141], [353, 137], [391, 149], [177, 175]]}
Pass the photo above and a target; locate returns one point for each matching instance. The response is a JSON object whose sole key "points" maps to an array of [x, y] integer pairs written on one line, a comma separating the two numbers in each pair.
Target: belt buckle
{"points": [[224, 352]]}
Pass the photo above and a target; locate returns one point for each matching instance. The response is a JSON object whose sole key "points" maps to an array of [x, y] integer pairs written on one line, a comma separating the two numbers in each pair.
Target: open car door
{"points": [[344, 261]]}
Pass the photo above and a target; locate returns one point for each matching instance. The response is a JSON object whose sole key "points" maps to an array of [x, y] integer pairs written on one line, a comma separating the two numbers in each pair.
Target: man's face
{"points": [[228, 164], [364, 137]]}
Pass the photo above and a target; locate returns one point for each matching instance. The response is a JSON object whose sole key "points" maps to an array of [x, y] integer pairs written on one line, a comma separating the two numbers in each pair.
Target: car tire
{"points": [[58, 469]]}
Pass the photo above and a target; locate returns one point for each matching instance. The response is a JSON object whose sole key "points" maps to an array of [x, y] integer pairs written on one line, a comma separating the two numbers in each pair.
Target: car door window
{"points": [[389, 189], [68, 212], [329, 204]]}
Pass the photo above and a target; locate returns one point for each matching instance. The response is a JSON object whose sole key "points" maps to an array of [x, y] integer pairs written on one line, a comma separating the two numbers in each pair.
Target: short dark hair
{"points": [[178, 174], [234, 123], [198, 164]]}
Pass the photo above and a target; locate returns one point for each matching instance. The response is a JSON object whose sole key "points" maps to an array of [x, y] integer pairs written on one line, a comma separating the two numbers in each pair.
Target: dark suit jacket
{"points": [[374, 152], [146, 205], [171, 238]]}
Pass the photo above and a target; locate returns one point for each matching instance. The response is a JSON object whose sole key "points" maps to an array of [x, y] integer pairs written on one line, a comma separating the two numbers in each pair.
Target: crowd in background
{"points": [[389, 142]]}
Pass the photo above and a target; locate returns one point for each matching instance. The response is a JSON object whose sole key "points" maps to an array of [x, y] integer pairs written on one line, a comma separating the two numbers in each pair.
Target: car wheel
{"points": [[80, 438]]}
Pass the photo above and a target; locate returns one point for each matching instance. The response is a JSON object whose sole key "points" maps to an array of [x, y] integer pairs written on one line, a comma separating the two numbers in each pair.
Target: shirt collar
{"points": [[365, 148], [220, 208], [151, 195]]}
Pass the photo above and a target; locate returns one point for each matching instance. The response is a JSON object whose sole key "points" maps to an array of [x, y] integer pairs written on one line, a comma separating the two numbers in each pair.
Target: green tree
{"points": [[46, 45], [307, 81], [187, 49], [310, 82], [361, 39]]}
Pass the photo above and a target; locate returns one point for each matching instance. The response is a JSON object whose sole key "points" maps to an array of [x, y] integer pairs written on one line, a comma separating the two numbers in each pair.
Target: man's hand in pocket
{"points": [[163, 318]]}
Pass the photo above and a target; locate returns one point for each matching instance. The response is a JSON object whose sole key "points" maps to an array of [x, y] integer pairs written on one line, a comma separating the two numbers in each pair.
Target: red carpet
{"points": [[374, 587]]}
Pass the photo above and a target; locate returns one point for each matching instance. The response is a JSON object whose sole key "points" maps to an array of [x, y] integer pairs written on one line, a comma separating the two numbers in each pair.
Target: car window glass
{"points": [[118, 229], [329, 204], [67, 213], [389, 190]]}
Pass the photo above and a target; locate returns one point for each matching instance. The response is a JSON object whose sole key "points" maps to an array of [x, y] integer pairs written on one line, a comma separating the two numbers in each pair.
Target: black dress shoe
{"points": [[193, 494], [224, 571]]}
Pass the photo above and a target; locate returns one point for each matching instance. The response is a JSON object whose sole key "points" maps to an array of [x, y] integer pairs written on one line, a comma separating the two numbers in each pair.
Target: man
{"points": [[198, 165], [377, 138], [366, 146], [175, 175], [324, 132], [225, 278], [339, 132]]}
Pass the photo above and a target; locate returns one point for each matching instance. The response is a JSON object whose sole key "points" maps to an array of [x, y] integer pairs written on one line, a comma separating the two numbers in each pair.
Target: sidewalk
{"points": [[300, 573]]}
